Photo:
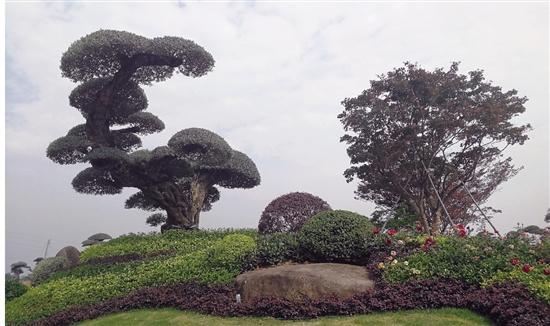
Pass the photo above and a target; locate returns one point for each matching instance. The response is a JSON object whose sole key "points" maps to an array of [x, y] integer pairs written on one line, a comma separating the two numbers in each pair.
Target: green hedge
{"points": [[47, 267], [180, 242], [276, 248], [336, 236], [218, 263]]}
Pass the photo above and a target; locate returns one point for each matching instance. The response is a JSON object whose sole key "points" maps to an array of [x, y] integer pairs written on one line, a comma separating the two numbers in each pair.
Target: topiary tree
{"points": [[212, 162], [289, 212], [178, 178], [17, 268]]}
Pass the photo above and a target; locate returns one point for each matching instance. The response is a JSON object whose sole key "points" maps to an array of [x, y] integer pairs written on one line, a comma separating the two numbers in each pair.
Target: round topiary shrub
{"points": [[336, 236], [289, 212], [47, 267], [277, 248]]}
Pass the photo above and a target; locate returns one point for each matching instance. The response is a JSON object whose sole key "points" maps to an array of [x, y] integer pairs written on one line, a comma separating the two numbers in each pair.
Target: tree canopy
{"points": [[455, 125]]}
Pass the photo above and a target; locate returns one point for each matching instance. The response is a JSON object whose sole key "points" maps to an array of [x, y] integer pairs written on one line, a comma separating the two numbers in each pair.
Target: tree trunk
{"points": [[436, 222], [421, 213], [199, 190]]}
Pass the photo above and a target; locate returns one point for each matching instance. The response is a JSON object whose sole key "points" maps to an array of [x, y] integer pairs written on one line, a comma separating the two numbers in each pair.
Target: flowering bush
{"points": [[535, 277], [471, 259]]}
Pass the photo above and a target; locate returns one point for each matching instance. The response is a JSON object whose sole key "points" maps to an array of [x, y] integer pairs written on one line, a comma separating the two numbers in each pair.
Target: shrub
{"points": [[289, 212], [276, 248], [14, 289], [473, 259], [47, 267], [336, 236], [231, 253], [535, 280]]}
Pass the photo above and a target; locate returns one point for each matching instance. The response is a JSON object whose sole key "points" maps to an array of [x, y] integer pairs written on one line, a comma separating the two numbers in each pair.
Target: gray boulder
{"points": [[71, 253], [295, 282]]}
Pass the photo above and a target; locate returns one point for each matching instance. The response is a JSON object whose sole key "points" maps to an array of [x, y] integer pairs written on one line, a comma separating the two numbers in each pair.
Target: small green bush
{"points": [[277, 248], [232, 252], [336, 236], [47, 267], [14, 289]]}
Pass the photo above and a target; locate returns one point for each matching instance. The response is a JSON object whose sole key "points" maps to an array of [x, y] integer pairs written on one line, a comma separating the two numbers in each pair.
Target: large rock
{"points": [[313, 281], [71, 253]]}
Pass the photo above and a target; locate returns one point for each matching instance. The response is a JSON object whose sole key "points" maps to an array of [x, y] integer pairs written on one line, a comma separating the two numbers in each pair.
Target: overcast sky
{"points": [[281, 72]]}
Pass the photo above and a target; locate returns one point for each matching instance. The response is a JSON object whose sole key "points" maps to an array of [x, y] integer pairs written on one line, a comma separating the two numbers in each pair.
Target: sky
{"points": [[281, 71]]}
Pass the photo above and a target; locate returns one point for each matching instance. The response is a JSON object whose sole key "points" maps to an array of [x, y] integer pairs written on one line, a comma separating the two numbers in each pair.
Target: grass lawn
{"points": [[430, 317]]}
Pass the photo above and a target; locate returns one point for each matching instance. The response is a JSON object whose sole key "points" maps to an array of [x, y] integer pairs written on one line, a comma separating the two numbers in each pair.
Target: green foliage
{"points": [[473, 259], [231, 253], [535, 280], [47, 267], [336, 236], [276, 248], [180, 242], [14, 289], [217, 260]]}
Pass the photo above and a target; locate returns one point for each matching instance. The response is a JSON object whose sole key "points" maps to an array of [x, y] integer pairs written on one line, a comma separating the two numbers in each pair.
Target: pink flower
{"points": [[514, 261], [392, 232], [527, 268], [546, 271]]}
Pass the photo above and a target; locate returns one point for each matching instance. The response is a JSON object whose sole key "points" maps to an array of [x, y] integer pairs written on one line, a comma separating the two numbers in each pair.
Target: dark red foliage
{"points": [[289, 212], [505, 304]]}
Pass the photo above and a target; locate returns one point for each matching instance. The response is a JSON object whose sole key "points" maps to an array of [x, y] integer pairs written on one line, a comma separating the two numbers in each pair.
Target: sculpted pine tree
{"points": [[211, 162], [110, 66], [457, 126]]}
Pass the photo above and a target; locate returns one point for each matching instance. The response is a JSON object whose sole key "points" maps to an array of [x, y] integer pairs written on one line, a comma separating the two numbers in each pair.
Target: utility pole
{"points": [[46, 251]]}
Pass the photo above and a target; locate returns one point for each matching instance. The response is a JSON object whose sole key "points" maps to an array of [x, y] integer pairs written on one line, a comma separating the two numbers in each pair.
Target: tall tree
{"points": [[412, 125], [110, 66]]}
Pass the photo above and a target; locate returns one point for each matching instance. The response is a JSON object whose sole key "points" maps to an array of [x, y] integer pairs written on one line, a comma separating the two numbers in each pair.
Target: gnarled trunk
{"points": [[199, 190]]}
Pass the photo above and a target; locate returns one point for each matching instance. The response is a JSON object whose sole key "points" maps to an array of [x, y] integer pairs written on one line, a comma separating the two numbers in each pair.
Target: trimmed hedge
{"points": [[218, 263], [172, 241], [336, 236], [507, 304], [277, 248]]}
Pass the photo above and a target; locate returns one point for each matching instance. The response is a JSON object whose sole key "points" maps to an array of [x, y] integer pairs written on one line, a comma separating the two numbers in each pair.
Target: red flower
{"points": [[428, 243], [546, 271], [460, 226], [375, 230], [388, 241], [392, 232], [514, 261], [462, 233], [527, 268]]}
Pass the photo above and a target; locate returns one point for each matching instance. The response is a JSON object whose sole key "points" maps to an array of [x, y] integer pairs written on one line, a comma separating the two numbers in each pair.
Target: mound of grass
{"points": [[430, 317], [214, 262]]}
